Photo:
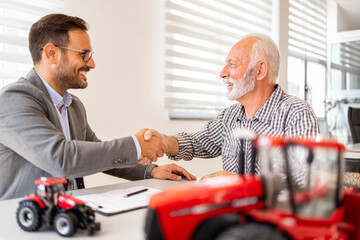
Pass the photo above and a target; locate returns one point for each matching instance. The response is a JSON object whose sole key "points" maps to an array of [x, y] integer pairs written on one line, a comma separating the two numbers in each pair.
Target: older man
{"points": [[44, 130], [250, 73]]}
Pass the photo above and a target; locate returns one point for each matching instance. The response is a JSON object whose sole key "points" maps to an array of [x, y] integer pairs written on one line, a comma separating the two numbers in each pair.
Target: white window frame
{"points": [[314, 48]]}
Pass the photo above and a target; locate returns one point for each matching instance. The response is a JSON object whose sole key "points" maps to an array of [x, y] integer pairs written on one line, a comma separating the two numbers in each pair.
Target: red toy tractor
{"points": [[297, 196], [50, 206]]}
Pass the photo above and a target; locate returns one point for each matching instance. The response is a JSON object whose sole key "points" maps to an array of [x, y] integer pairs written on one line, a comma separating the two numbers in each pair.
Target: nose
{"points": [[224, 72], [91, 63]]}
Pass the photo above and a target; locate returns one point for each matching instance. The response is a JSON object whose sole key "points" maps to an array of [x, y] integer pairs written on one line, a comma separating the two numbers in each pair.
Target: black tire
{"points": [[90, 230], [210, 228], [66, 223], [28, 215], [97, 226], [90, 211], [87, 216], [251, 231]]}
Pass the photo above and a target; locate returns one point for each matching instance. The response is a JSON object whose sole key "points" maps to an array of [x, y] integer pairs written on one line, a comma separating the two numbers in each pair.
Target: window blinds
{"points": [[345, 71], [308, 29], [16, 18], [347, 55], [198, 37]]}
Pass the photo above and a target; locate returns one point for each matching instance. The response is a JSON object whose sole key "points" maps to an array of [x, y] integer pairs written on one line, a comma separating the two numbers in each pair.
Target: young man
{"points": [[44, 130]]}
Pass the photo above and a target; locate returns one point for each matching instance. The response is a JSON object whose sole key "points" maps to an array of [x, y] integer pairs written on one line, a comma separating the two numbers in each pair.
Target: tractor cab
{"points": [[48, 189], [314, 174], [301, 176]]}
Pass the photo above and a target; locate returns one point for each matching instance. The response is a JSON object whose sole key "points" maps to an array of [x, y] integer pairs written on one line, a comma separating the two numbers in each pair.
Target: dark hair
{"points": [[52, 28]]}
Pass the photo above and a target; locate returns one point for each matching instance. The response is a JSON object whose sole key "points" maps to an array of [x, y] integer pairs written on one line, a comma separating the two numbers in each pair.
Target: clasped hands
{"points": [[154, 145], [151, 144]]}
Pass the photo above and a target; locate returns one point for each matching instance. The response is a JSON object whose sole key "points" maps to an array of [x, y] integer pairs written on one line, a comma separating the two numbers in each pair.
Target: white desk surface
{"points": [[352, 151], [121, 226], [353, 147]]}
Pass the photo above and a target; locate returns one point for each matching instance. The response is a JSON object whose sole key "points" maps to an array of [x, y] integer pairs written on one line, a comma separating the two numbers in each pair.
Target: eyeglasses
{"points": [[86, 55]]}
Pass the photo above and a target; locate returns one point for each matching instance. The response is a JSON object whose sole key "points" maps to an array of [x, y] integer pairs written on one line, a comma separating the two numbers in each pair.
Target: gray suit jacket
{"points": [[32, 143]]}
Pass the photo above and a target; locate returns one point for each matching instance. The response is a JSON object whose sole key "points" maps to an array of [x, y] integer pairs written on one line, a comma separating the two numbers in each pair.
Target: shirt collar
{"points": [[265, 112], [56, 98]]}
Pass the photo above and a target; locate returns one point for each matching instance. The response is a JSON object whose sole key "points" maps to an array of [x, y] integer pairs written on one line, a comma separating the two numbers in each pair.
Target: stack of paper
{"points": [[116, 201]]}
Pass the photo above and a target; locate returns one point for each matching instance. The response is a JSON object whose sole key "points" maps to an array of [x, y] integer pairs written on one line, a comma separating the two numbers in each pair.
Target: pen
{"points": [[134, 193]]}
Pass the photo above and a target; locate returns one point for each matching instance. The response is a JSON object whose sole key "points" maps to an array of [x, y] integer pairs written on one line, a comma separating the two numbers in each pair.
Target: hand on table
{"points": [[172, 172], [219, 174]]}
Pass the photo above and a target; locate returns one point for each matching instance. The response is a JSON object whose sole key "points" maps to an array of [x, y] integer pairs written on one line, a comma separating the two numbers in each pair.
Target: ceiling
{"points": [[348, 14]]}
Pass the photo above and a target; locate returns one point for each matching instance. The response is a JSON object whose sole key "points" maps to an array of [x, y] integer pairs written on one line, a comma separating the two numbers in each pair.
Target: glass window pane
{"points": [[353, 80], [336, 82], [296, 77], [316, 87]]}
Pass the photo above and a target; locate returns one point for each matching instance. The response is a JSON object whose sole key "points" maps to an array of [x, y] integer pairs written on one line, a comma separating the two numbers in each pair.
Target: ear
{"points": [[261, 70], [50, 53]]}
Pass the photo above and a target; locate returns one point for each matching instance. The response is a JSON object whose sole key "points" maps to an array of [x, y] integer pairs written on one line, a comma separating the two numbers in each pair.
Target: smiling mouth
{"points": [[229, 85], [83, 74]]}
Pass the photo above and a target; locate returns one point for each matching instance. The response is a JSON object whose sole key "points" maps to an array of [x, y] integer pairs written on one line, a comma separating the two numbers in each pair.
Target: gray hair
{"points": [[265, 49]]}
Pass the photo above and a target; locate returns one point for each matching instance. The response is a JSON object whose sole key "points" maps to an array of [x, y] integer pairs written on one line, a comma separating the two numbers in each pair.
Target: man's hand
{"points": [[172, 172], [145, 161], [151, 149], [170, 142], [218, 174]]}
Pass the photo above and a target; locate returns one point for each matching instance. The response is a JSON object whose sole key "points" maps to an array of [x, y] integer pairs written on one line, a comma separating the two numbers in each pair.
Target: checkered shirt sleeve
{"points": [[206, 143]]}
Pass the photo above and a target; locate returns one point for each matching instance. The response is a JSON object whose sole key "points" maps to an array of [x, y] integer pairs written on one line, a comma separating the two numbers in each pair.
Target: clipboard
{"points": [[114, 202]]}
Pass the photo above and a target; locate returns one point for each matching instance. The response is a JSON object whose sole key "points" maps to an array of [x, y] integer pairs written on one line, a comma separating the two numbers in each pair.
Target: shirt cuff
{"points": [[138, 148], [185, 148]]}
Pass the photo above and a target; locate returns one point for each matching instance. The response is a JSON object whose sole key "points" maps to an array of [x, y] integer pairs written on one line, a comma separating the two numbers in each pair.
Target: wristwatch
{"points": [[148, 170]]}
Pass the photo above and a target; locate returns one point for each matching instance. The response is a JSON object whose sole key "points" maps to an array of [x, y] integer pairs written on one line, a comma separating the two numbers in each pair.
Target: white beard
{"points": [[241, 86]]}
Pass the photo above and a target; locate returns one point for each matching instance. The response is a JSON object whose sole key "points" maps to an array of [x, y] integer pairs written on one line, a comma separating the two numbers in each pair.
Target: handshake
{"points": [[153, 145]]}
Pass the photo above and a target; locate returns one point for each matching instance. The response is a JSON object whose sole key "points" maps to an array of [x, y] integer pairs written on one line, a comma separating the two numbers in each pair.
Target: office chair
{"points": [[354, 123]]}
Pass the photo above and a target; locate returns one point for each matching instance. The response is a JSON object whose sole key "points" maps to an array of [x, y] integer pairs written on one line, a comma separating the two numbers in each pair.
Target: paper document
{"points": [[118, 201]]}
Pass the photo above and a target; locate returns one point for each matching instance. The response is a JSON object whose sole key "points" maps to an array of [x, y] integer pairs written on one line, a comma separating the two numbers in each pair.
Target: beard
{"points": [[241, 86], [69, 77]]}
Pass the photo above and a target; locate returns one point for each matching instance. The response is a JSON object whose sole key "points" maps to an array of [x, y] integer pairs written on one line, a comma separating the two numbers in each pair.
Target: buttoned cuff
{"points": [[185, 148], [138, 148], [149, 168]]}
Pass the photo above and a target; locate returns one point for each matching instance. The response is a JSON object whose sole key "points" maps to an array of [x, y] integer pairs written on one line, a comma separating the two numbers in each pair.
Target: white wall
{"points": [[125, 91]]}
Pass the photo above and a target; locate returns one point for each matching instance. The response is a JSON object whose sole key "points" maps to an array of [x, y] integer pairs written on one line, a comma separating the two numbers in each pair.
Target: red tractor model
{"points": [[297, 196], [51, 207]]}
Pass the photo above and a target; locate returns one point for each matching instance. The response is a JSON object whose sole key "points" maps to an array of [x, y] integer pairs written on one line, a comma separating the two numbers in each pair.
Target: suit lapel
{"points": [[74, 126], [34, 79]]}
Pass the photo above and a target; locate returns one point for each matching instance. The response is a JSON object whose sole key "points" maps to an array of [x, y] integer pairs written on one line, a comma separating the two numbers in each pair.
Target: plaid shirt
{"points": [[281, 114]]}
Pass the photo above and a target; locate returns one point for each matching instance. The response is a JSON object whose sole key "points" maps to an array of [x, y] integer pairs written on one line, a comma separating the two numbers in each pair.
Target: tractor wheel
{"points": [[66, 223], [28, 215], [90, 230], [210, 228], [251, 231]]}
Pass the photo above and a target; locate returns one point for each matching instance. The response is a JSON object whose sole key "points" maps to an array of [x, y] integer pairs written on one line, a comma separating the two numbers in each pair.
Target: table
{"points": [[352, 157], [353, 147], [128, 225]]}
